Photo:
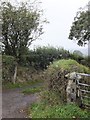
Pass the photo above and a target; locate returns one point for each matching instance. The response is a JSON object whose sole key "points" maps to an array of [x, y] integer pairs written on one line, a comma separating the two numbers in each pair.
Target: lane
{"points": [[15, 103]]}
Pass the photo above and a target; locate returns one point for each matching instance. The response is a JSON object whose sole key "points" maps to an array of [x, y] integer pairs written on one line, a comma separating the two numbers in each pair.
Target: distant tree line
{"points": [[42, 57]]}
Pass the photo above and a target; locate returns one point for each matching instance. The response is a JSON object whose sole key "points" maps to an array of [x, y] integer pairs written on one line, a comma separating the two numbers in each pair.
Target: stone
{"points": [[71, 86]]}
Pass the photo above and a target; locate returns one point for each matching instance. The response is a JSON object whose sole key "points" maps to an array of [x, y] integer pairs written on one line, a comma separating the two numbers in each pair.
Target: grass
{"points": [[50, 106], [32, 90], [20, 85], [86, 101], [69, 64], [41, 110]]}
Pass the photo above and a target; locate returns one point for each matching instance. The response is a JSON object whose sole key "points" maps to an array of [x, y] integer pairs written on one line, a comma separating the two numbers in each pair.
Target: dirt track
{"points": [[15, 103]]}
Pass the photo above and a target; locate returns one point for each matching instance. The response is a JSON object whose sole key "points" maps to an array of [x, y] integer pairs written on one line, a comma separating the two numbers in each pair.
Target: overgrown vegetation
{"points": [[23, 67], [21, 25], [24, 74], [55, 75], [38, 59], [8, 64], [65, 111], [69, 65], [52, 102], [50, 107], [41, 57]]}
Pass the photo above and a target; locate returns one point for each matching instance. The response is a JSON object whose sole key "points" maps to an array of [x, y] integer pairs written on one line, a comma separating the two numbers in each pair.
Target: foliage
{"points": [[86, 101], [24, 74], [70, 65], [50, 98], [80, 27], [86, 61], [50, 104], [41, 57], [20, 27], [8, 64], [77, 57], [41, 110], [77, 52], [55, 75]]}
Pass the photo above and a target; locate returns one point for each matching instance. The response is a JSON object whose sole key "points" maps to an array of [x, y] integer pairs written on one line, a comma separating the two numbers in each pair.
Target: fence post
{"points": [[71, 87]]}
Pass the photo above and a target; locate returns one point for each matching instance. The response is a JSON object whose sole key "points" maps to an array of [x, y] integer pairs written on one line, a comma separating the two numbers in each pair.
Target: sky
{"points": [[60, 14]]}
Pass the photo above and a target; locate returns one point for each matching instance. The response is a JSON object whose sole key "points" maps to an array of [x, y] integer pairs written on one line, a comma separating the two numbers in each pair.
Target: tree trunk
{"points": [[15, 74]]}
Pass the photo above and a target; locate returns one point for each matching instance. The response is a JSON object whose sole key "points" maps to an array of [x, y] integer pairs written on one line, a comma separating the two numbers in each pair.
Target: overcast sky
{"points": [[60, 14]]}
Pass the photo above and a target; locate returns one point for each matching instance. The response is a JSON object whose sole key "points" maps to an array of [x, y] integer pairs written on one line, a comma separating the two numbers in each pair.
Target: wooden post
{"points": [[15, 74]]}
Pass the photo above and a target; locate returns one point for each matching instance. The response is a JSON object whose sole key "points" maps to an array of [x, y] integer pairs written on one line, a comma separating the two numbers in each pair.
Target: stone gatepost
{"points": [[71, 89]]}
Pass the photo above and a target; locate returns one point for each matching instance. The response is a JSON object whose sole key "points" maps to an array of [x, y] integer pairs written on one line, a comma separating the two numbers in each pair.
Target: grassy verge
{"points": [[20, 85], [51, 107], [41, 110], [32, 90]]}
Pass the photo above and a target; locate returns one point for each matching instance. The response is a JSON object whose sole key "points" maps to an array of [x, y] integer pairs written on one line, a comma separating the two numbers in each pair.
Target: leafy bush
{"points": [[24, 74], [41, 57]]}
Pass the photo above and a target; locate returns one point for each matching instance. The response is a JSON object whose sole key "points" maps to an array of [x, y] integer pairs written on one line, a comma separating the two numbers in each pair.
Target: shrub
{"points": [[41, 57], [24, 74]]}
